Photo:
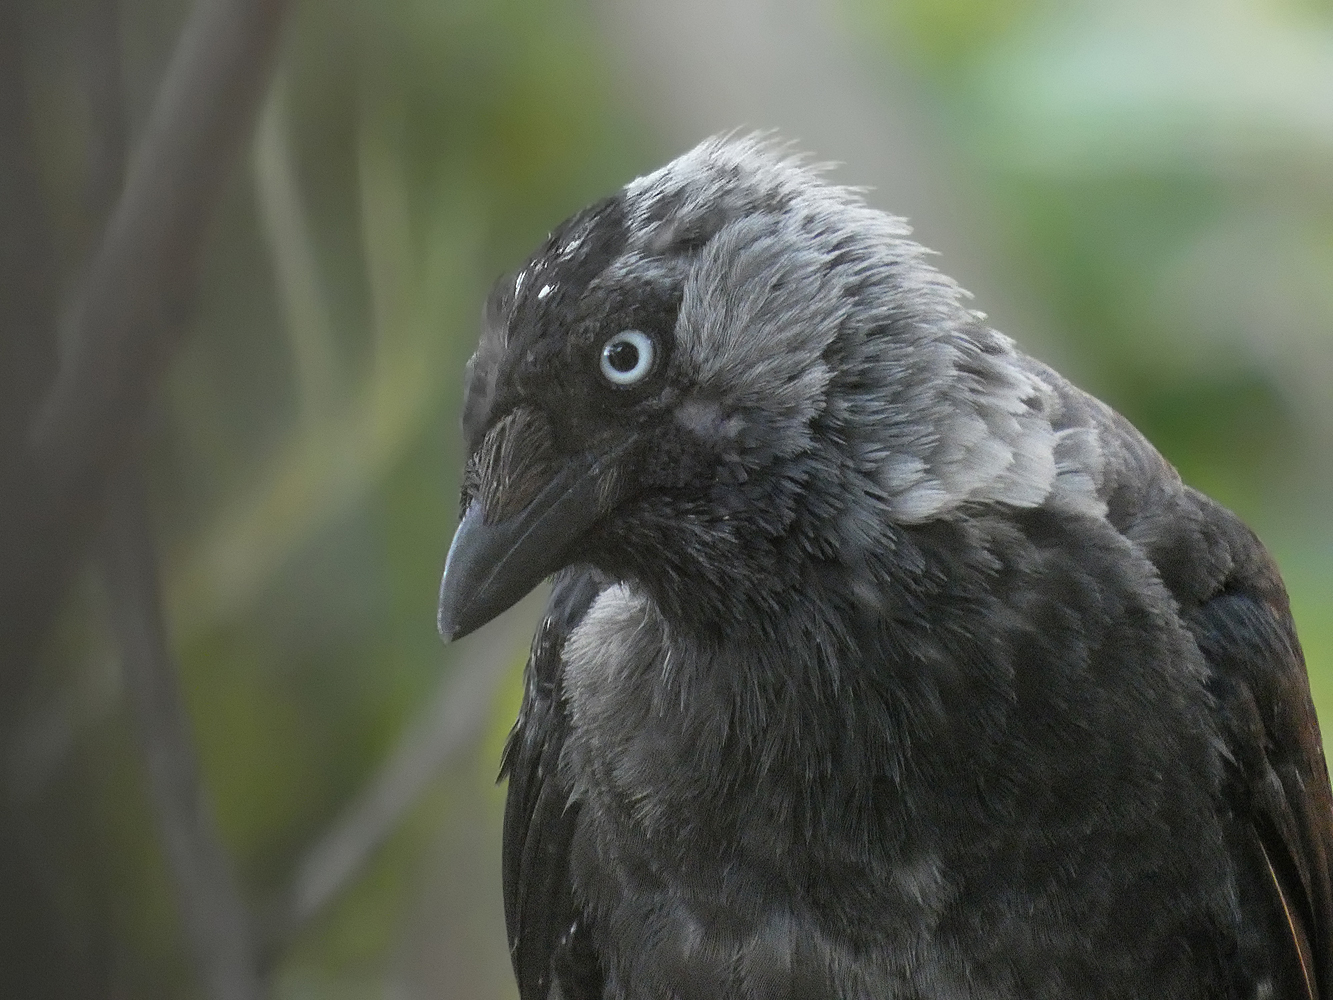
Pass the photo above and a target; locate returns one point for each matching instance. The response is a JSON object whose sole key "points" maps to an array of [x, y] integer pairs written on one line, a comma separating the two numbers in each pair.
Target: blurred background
{"points": [[1139, 193]]}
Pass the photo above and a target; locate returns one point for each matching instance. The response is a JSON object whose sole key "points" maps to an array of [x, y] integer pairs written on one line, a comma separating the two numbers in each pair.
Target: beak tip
{"points": [[444, 627], [455, 618], [448, 625], [450, 619]]}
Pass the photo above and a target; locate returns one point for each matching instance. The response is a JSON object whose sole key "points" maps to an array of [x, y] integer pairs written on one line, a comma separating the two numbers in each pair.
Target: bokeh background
{"points": [[1140, 193]]}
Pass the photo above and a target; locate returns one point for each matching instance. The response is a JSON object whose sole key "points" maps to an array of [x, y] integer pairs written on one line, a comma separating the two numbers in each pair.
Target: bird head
{"points": [[721, 379]]}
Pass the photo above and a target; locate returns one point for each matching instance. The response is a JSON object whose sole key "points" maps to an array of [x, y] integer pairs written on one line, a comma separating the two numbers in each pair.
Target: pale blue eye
{"points": [[627, 357]]}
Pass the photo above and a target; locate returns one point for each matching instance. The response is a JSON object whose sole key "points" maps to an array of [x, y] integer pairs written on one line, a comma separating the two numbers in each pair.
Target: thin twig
{"points": [[217, 922], [137, 294], [45, 736], [307, 322], [128, 315], [216, 919], [453, 719]]}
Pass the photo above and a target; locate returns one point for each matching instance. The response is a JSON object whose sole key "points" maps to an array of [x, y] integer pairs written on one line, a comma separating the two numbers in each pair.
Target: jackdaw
{"points": [[881, 662]]}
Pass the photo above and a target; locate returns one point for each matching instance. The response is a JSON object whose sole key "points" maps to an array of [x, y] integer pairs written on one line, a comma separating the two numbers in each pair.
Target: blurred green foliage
{"points": [[1164, 182]]}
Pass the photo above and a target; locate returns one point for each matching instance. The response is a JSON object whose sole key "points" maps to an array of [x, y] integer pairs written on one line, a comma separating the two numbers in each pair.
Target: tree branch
{"points": [[216, 919], [41, 955], [137, 293], [129, 313]]}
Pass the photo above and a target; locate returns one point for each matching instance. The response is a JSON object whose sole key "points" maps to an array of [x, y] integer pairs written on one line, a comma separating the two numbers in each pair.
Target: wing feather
{"points": [[548, 934], [1280, 789], [1295, 926]]}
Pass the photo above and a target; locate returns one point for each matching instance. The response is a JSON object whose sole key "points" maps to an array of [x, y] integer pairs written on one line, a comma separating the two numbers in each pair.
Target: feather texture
{"points": [[886, 663]]}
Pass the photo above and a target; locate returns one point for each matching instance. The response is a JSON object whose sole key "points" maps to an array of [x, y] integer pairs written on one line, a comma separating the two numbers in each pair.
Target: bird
{"points": [[880, 661]]}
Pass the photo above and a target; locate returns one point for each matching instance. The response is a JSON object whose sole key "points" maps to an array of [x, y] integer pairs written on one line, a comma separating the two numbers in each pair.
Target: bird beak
{"points": [[490, 567]]}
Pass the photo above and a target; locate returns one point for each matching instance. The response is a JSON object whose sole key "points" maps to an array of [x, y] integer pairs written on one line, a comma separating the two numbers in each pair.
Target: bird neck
{"points": [[776, 723], [752, 626]]}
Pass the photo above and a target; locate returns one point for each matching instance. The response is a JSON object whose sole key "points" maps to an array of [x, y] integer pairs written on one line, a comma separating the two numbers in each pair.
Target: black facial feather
{"points": [[881, 661], [525, 325], [511, 466]]}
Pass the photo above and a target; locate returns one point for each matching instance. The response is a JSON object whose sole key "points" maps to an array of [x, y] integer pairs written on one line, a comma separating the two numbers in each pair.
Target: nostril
{"points": [[471, 486]]}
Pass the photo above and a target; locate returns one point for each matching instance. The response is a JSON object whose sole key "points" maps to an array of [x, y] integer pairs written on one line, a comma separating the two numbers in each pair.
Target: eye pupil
{"points": [[622, 356]]}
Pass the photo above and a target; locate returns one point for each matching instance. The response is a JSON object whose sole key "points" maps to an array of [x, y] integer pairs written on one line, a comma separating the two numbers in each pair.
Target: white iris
{"points": [[627, 357]]}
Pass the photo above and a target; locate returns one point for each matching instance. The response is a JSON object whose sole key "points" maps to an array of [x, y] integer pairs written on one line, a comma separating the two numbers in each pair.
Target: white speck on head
{"points": [[544, 291]]}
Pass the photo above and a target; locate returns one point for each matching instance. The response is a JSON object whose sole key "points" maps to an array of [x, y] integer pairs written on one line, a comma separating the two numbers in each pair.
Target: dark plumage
{"points": [[881, 661]]}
